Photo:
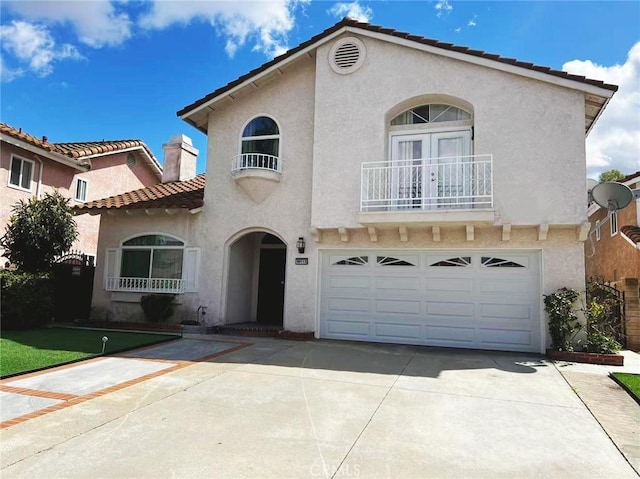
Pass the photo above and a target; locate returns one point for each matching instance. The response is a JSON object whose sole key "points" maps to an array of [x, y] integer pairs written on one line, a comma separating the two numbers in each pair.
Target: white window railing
{"points": [[461, 182], [145, 285], [257, 161]]}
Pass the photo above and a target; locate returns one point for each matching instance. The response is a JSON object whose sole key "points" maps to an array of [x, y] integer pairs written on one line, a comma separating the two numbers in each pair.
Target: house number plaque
{"points": [[302, 261]]}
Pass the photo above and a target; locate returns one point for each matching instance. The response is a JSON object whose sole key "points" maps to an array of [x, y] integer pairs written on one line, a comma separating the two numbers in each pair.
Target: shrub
{"points": [[563, 321], [39, 230], [599, 337], [27, 300], [157, 307]]}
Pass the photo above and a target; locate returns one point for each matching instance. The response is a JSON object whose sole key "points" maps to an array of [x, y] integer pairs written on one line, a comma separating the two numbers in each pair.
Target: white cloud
{"points": [[443, 7], [614, 142], [352, 10], [473, 22], [33, 46], [458, 30], [266, 23], [97, 23], [8, 74]]}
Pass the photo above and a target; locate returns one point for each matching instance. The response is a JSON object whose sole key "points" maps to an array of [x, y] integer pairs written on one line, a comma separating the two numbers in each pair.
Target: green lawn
{"points": [[632, 381], [22, 351]]}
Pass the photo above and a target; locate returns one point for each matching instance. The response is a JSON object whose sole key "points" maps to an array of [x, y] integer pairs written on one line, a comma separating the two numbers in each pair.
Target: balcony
{"points": [[428, 190], [145, 285], [257, 174]]}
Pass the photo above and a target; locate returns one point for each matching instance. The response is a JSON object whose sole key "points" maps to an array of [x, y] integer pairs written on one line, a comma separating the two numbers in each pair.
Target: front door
{"points": [[428, 169], [271, 286]]}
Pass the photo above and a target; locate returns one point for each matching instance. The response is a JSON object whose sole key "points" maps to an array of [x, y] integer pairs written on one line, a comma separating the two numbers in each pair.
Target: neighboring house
{"points": [[31, 166], [612, 253], [438, 191]]}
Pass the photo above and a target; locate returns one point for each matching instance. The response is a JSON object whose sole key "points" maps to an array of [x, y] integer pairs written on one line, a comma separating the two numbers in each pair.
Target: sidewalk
{"points": [[613, 408]]}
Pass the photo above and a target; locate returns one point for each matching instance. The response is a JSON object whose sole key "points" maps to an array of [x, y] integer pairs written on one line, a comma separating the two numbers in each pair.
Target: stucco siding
{"points": [[286, 212], [535, 132]]}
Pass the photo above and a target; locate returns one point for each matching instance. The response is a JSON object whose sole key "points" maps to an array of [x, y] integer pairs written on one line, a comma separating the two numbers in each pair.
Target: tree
{"points": [[611, 175], [39, 230]]}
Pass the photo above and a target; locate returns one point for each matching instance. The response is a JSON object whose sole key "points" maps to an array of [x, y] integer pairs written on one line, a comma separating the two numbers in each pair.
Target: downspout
{"points": [[37, 158]]}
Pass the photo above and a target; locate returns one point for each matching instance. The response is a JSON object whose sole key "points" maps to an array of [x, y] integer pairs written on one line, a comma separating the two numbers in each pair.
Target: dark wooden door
{"points": [[271, 286], [73, 287]]}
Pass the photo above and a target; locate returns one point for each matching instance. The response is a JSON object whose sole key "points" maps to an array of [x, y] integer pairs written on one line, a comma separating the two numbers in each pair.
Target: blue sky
{"points": [[100, 69]]}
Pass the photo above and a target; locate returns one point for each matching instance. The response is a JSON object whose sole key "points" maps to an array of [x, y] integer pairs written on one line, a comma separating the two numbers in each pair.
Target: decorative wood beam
{"points": [[171, 211], [128, 212], [344, 234], [316, 234], [435, 231], [582, 231], [470, 233], [111, 212], [195, 211], [373, 234], [543, 230], [506, 232], [404, 234]]}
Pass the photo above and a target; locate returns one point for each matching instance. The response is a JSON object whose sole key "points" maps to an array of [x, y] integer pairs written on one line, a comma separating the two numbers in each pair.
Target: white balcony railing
{"points": [[145, 285], [256, 161], [461, 182]]}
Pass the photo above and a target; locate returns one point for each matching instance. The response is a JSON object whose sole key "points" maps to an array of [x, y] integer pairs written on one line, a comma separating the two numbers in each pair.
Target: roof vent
{"points": [[347, 55]]}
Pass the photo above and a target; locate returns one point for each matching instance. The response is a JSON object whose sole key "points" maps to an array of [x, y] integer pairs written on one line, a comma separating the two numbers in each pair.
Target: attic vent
{"points": [[131, 160], [346, 55]]}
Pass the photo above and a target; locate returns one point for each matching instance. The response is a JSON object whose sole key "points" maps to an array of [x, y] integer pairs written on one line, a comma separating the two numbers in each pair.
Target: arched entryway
{"points": [[256, 280]]}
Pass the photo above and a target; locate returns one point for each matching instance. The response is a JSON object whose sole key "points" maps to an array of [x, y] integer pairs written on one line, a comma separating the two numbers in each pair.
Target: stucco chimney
{"points": [[179, 159]]}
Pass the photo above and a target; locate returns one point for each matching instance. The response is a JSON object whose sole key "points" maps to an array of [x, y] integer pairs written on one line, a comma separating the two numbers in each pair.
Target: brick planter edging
{"points": [[583, 357]]}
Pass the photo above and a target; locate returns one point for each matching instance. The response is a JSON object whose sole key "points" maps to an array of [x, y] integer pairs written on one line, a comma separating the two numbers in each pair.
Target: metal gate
{"points": [[73, 286]]}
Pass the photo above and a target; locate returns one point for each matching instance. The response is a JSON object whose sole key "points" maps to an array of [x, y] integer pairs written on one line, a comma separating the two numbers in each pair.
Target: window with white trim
{"points": [[598, 230], [152, 256], [152, 263], [260, 146], [614, 223], [21, 173], [81, 190]]}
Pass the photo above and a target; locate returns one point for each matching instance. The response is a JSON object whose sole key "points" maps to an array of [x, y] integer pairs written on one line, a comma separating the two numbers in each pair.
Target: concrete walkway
{"points": [[279, 409]]}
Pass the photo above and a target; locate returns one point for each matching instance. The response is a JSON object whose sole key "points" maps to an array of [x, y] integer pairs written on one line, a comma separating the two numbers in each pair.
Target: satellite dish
{"points": [[611, 195], [591, 183]]}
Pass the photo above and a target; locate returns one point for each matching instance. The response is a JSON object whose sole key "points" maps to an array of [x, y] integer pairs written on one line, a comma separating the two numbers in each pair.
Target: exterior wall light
{"points": [[300, 244]]}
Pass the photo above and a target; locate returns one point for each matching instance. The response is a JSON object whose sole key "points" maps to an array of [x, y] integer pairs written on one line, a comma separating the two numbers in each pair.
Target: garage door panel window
{"points": [[353, 261], [460, 261], [492, 262], [391, 261]]}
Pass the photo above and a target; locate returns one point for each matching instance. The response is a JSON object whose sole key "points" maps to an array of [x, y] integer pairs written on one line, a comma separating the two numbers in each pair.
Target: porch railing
{"points": [[460, 182], [145, 285], [258, 161]]}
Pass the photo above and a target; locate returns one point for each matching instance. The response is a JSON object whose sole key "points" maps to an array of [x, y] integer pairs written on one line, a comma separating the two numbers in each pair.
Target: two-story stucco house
{"points": [[369, 185], [31, 166]]}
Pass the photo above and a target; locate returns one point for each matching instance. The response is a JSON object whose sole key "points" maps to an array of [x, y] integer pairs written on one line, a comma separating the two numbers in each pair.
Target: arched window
{"points": [[260, 144], [430, 114], [152, 256]]}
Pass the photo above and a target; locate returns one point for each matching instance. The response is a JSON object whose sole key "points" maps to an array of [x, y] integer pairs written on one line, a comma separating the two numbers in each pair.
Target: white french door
{"points": [[427, 168]]}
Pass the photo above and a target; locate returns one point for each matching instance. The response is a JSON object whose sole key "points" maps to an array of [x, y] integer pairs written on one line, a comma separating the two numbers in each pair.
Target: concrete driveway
{"points": [[279, 409]]}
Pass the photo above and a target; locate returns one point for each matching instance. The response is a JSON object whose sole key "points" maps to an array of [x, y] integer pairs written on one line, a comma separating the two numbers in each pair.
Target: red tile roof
{"points": [[631, 232], [188, 194], [75, 151], [348, 22]]}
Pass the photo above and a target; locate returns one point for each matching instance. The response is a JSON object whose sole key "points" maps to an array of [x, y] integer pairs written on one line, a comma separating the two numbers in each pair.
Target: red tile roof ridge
{"points": [[348, 22], [75, 150]]}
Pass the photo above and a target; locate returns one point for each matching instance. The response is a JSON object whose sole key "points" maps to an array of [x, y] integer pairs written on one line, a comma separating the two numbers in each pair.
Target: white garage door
{"points": [[483, 300]]}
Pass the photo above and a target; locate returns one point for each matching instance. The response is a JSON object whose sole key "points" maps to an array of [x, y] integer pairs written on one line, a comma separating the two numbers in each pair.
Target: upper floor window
{"points": [[431, 113], [81, 190], [598, 230], [260, 145], [614, 223], [21, 173]]}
